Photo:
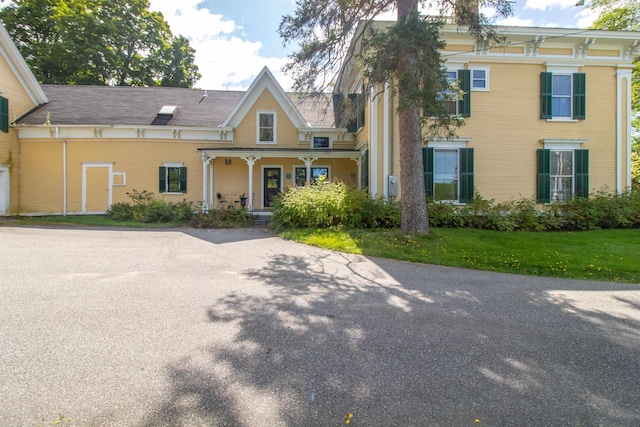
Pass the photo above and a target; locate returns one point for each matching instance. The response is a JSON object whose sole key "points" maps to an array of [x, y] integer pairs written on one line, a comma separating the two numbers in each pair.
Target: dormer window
{"points": [[165, 115], [266, 127]]}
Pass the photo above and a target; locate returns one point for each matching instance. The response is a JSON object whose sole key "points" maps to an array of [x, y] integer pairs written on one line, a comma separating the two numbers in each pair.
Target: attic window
{"points": [[165, 115]]}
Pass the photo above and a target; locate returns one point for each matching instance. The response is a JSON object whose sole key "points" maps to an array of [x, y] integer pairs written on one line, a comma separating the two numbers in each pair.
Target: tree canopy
{"points": [[406, 57], [119, 42]]}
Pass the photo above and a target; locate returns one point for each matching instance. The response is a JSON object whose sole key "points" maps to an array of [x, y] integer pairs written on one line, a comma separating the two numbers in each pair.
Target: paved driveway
{"points": [[190, 328]]}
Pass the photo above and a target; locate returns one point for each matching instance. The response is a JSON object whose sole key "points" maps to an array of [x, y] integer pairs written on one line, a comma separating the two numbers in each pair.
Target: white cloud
{"points": [[545, 4], [586, 17], [516, 22], [225, 60]]}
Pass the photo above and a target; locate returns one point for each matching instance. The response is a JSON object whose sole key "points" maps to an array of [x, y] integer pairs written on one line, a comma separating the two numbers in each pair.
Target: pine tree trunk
{"points": [[414, 204]]}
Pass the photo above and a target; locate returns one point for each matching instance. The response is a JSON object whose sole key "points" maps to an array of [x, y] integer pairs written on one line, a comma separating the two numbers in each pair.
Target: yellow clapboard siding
{"points": [[245, 134]]}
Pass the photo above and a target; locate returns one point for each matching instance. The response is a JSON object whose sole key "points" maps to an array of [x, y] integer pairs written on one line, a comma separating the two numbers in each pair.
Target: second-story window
{"points": [[266, 129]]}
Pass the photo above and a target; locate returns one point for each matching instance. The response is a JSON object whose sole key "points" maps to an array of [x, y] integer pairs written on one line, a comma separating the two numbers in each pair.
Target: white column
{"points": [[205, 162], [373, 165], [251, 160], [623, 132], [308, 161], [385, 143]]}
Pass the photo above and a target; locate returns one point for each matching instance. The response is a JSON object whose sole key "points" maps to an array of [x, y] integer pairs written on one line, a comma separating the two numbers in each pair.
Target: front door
{"points": [[272, 183]]}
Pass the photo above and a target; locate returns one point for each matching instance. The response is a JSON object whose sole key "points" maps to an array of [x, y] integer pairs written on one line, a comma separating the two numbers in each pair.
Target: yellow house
{"points": [[19, 94], [548, 116]]}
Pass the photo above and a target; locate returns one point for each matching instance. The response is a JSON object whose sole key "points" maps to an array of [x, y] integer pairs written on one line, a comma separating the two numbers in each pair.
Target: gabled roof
{"points": [[20, 68], [125, 105], [265, 80]]}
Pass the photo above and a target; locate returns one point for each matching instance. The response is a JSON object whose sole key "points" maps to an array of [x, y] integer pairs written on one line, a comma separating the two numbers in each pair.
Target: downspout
{"points": [[64, 171]]}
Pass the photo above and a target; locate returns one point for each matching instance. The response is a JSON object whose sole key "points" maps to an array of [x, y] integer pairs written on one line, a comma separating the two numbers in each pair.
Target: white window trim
{"points": [[275, 127], [312, 167], [563, 144], [487, 71], [567, 70], [124, 179], [172, 165], [321, 148]]}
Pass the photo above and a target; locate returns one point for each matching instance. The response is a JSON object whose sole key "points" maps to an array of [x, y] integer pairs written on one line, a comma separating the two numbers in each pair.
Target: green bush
{"points": [[145, 208], [601, 210], [121, 211], [328, 204], [222, 218]]}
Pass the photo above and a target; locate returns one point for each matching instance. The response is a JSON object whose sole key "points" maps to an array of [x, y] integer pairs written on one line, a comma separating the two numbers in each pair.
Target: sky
{"points": [[235, 39]]}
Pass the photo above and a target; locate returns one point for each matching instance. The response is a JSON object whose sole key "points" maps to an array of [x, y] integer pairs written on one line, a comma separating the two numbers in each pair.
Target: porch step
{"points": [[261, 217]]}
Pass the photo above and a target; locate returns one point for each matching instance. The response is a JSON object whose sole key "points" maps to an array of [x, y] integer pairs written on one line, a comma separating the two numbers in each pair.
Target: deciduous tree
{"points": [[117, 42]]}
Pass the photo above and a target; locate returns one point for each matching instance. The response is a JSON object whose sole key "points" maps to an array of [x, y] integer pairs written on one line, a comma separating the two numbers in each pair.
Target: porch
{"points": [[248, 178]]}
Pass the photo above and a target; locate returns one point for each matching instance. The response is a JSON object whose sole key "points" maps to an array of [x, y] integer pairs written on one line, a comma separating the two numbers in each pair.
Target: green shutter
{"points": [[360, 110], [579, 96], [544, 176], [546, 94], [427, 165], [352, 126], [466, 175], [183, 180], [4, 114], [163, 179], [464, 82], [582, 173]]}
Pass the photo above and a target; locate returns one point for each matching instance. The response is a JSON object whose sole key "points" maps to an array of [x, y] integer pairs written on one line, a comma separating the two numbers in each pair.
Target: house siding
{"points": [[19, 104]]}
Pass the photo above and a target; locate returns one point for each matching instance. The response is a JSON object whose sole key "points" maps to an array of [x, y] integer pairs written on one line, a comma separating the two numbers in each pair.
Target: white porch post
{"points": [[308, 161], [251, 160], [205, 164]]}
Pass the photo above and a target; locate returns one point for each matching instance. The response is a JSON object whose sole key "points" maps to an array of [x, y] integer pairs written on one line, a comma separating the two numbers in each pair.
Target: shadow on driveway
{"points": [[394, 343]]}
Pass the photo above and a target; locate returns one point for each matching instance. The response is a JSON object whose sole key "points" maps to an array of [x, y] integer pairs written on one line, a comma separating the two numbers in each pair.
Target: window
{"points": [[453, 104], [356, 112], [479, 79], [173, 179], [563, 95], [320, 142], [316, 173], [266, 128], [4, 114], [562, 173], [448, 173]]}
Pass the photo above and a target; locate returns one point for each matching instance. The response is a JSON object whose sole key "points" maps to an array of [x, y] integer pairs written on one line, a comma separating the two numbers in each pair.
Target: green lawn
{"points": [[604, 255], [88, 220]]}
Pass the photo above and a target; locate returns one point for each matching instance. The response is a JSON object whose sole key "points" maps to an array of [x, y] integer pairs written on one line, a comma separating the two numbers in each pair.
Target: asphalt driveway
{"points": [[239, 327]]}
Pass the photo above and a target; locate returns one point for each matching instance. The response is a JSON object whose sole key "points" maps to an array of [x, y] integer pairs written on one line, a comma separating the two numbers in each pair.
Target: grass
{"points": [[602, 255], [86, 220]]}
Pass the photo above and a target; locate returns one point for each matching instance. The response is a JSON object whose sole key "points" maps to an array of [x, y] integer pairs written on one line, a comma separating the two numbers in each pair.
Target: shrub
{"points": [[222, 218], [328, 204], [121, 211], [145, 208]]}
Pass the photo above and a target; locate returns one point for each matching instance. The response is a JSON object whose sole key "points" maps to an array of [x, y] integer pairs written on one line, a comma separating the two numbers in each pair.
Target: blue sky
{"points": [[235, 39]]}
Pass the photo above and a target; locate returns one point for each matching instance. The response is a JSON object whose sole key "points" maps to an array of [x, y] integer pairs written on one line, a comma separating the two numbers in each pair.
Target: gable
{"points": [[245, 134], [265, 81], [18, 83]]}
